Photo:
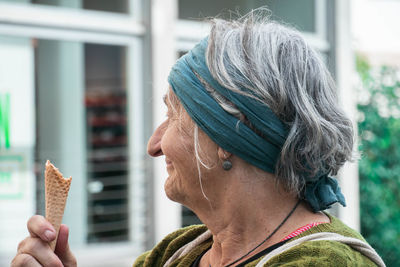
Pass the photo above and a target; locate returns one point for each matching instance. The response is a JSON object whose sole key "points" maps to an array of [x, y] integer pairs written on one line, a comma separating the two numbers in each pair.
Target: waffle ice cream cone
{"points": [[56, 191]]}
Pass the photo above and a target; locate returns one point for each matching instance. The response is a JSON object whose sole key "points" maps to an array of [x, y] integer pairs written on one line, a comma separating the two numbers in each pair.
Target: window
{"points": [[107, 143], [116, 6], [300, 13]]}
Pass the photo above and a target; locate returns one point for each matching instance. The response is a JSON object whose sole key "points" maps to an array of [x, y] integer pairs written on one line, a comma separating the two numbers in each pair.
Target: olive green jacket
{"points": [[315, 253]]}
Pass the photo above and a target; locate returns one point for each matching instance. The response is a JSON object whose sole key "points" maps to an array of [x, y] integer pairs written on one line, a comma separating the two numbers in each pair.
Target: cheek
{"points": [[177, 144], [179, 151]]}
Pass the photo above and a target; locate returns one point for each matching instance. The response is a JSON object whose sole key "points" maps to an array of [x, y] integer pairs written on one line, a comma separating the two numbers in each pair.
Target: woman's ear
{"points": [[223, 154]]}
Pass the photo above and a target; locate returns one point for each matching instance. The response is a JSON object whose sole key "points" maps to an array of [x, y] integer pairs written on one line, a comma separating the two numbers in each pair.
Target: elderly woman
{"points": [[252, 135]]}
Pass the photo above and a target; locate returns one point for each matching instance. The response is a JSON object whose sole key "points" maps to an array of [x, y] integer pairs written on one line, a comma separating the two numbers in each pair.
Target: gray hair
{"points": [[282, 71]]}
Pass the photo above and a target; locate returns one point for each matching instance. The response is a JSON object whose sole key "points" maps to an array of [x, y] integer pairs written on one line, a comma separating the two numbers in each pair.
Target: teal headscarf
{"points": [[260, 149]]}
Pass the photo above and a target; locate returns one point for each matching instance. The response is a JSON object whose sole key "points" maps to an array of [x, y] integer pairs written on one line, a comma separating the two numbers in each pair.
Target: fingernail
{"points": [[49, 235]]}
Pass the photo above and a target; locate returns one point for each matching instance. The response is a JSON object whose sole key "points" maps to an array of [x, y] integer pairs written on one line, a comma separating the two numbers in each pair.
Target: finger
{"points": [[24, 260], [62, 247], [38, 226], [40, 250], [62, 241]]}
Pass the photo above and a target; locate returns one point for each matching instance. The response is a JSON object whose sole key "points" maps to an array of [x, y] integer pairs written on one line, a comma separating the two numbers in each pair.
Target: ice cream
{"points": [[56, 190]]}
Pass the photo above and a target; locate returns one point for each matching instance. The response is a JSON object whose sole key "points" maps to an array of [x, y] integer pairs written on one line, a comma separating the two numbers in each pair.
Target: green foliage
{"points": [[379, 132]]}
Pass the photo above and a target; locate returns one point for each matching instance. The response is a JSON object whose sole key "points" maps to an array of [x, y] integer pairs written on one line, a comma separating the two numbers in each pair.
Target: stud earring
{"points": [[227, 164]]}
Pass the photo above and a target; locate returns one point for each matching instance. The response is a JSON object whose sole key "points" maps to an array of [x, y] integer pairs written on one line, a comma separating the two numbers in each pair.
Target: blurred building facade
{"points": [[81, 84]]}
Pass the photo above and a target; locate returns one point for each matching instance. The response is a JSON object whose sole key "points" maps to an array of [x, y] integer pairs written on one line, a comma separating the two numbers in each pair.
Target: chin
{"points": [[172, 192]]}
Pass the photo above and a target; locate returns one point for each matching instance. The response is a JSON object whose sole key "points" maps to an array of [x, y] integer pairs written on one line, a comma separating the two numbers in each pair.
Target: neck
{"points": [[245, 214]]}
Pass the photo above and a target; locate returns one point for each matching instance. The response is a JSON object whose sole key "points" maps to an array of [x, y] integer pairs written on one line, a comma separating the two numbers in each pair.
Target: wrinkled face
{"points": [[174, 139]]}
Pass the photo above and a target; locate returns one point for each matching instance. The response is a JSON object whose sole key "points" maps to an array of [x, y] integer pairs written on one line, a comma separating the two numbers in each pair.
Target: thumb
{"points": [[62, 248]]}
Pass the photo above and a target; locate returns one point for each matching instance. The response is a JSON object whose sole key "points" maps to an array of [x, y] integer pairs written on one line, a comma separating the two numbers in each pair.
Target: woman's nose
{"points": [[154, 144]]}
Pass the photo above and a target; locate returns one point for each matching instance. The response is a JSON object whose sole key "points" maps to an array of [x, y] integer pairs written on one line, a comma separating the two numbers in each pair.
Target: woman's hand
{"points": [[35, 250]]}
